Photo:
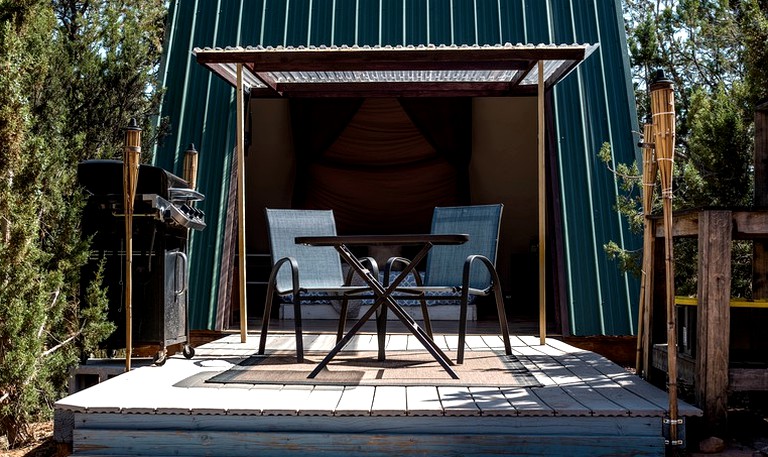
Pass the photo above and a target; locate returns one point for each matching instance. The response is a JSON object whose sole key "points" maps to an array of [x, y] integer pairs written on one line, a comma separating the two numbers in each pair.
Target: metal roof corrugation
{"points": [[592, 106], [200, 108]]}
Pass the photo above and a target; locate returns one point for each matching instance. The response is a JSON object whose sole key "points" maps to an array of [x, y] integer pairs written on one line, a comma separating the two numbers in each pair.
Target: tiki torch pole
{"points": [[131, 158], [191, 158], [650, 170], [663, 114]]}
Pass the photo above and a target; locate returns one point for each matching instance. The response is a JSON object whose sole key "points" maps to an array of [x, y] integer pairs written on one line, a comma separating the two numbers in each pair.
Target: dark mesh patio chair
{"points": [[462, 272], [305, 273]]}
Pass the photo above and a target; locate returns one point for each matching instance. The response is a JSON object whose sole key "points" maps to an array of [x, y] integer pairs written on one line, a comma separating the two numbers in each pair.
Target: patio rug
{"points": [[402, 368]]}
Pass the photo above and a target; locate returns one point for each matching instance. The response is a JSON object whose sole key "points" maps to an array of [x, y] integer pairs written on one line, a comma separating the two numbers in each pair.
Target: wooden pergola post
{"points": [[542, 213], [241, 204]]}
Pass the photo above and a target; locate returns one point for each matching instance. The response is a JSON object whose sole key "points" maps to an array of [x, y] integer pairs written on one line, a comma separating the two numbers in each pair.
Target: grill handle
{"points": [[183, 257]]}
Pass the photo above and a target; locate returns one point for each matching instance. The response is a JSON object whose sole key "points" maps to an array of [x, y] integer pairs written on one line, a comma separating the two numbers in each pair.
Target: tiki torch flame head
{"points": [[663, 115], [190, 165], [131, 159]]}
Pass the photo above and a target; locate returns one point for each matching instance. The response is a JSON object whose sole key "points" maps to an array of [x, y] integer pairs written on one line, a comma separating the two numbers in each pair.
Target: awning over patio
{"points": [[400, 71]]}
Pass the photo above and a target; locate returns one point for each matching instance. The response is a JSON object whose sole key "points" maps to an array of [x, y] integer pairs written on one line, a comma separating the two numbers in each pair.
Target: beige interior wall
{"points": [[270, 166], [504, 170]]}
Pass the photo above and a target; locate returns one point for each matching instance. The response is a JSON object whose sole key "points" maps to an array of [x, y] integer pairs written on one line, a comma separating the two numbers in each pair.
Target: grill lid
{"points": [[169, 196], [105, 177]]}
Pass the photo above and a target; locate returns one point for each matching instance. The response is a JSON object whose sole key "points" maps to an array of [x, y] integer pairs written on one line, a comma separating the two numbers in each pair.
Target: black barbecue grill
{"points": [[164, 213]]}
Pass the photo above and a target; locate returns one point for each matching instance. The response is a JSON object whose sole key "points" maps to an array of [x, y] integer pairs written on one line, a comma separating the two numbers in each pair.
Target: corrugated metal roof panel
{"points": [[593, 106], [283, 69]]}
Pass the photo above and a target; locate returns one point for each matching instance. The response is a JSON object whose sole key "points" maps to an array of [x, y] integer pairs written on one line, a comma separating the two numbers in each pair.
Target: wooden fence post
{"points": [[760, 249], [714, 315]]}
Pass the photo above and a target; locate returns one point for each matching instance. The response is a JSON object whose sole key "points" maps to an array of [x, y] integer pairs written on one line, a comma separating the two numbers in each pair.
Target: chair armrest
{"points": [[372, 266], [391, 263], [294, 265], [468, 270]]}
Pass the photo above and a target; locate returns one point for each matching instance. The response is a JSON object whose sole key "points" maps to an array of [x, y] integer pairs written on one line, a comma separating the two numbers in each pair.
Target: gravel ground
{"points": [[43, 446]]}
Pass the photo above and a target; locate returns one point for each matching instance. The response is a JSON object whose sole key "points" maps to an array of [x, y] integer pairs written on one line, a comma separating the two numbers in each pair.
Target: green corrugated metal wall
{"points": [[592, 106]]}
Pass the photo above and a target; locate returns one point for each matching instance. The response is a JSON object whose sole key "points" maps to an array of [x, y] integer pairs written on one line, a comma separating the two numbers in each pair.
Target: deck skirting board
{"points": [[484, 425], [171, 443], [161, 435]]}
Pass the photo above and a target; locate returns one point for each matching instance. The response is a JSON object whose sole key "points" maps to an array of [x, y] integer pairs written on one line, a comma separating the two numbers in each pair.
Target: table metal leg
{"points": [[385, 300], [423, 338], [381, 292], [345, 340]]}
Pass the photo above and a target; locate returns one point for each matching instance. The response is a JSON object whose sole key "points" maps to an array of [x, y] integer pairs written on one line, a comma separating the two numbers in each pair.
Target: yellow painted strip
{"points": [[735, 302]]}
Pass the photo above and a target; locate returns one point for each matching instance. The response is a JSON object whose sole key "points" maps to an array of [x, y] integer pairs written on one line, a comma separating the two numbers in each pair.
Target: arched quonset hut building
{"points": [[463, 135]]}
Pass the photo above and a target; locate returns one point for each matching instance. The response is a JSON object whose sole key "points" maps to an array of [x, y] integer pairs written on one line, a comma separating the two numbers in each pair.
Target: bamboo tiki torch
{"points": [[191, 158], [663, 114], [650, 170], [131, 158], [190, 166]]}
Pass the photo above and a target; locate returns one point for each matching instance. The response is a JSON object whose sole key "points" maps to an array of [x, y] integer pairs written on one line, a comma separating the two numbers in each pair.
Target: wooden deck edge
{"points": [[200, 337], [482, 425], [563, 413], [123, 434], [620, 350]]}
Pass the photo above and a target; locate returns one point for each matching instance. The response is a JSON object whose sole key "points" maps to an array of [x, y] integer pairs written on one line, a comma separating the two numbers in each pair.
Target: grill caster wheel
{"points": [[188, 351], [159, 358]]}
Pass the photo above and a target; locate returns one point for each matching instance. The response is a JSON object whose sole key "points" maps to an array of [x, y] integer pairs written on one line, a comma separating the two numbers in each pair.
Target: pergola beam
{"points": [[405, 88], [393, 59]]}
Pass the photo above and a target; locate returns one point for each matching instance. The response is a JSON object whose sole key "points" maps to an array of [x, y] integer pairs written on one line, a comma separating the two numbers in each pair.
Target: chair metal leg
{"points": [[462, 324], [271, 288], [297, 321], [342, 318], [496, 286], [381, 330], [425, 316], [298, 327], [265, 318], [504, 326]]}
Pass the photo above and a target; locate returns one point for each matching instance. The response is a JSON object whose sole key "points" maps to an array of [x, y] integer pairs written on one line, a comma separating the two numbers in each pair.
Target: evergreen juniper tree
{"points": [[716, 53], [72, 73]]}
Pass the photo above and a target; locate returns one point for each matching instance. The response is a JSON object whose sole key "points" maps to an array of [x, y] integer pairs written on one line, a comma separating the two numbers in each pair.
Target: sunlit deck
{"points": [[586, 405]]}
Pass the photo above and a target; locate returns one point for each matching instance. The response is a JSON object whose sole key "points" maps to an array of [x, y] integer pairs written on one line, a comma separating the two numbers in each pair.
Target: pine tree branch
{"points": [[619, 174], [65, 342], [62, 344]]}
